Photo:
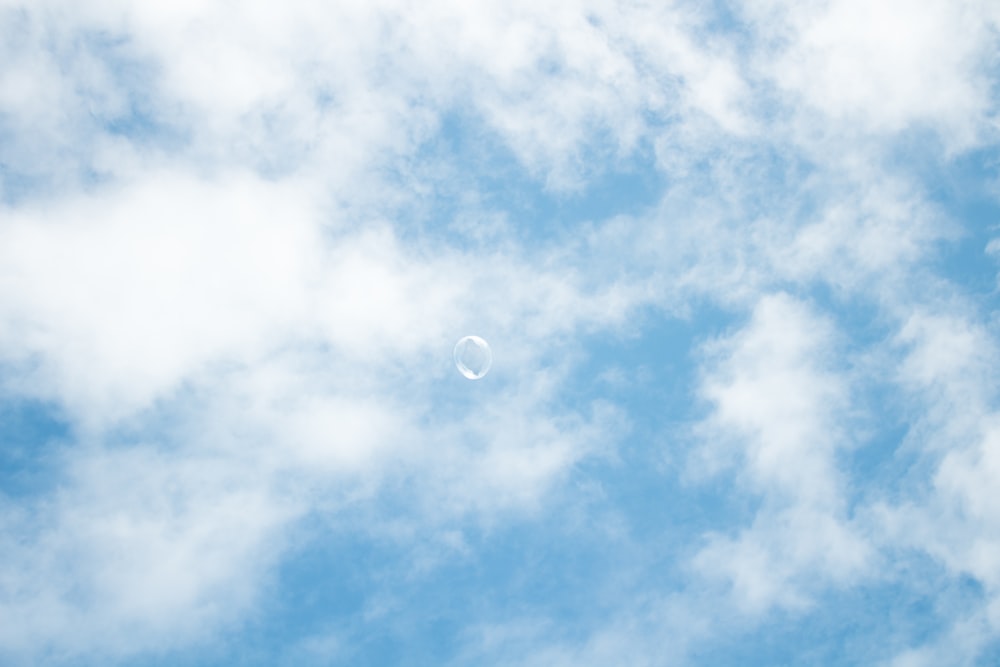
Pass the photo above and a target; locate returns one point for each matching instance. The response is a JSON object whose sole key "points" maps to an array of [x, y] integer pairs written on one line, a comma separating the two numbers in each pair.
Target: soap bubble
{"points": [[473, 357]]}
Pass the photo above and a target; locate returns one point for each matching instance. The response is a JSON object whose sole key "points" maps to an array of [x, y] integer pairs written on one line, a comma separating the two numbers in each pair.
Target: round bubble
{"points": [[473, 357]]}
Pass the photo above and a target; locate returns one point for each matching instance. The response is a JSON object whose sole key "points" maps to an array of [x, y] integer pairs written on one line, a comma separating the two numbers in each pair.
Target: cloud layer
{"points": [[237, 245]]}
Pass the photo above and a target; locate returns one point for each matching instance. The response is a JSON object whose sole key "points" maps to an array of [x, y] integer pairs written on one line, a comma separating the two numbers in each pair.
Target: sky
{"points": [[737, 264]]}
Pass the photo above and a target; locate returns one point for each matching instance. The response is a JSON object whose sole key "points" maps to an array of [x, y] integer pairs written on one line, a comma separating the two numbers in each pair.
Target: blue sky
{"points": [[737, 264]]}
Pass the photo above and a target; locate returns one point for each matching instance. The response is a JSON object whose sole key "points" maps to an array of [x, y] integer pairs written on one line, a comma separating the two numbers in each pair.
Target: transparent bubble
{"points": [[473, 357]]}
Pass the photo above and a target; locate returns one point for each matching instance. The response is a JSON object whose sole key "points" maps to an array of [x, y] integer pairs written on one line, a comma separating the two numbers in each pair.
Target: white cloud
{"points": [[870, 240], [342, 88], [778, 419], [226, 302], [882, 67], [140, 549], [110, 301], [948, 362]]}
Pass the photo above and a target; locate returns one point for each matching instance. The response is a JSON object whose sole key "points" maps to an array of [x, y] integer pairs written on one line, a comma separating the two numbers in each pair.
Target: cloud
{"points": [[883, 69], [778, 419], [111, 300], [236, 248], [344, 89], [140, 550]]}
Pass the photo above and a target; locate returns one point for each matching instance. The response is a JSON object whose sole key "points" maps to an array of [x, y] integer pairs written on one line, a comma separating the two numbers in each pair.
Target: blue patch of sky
{"points": [[472, 167], [17, 186], [968, 190], [651, 373], [139, 119], [989, 654], [32, 436], [546, 568], [965, 188], [723, 21], [559, 568], [328, 584], [15, 183], [535, 567], [573, 576], [879, 418], [857, 625], [748, 183]]}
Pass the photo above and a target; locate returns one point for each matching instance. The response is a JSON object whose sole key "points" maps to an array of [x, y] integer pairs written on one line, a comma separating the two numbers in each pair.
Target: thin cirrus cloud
{"points": [[238, 244]]}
